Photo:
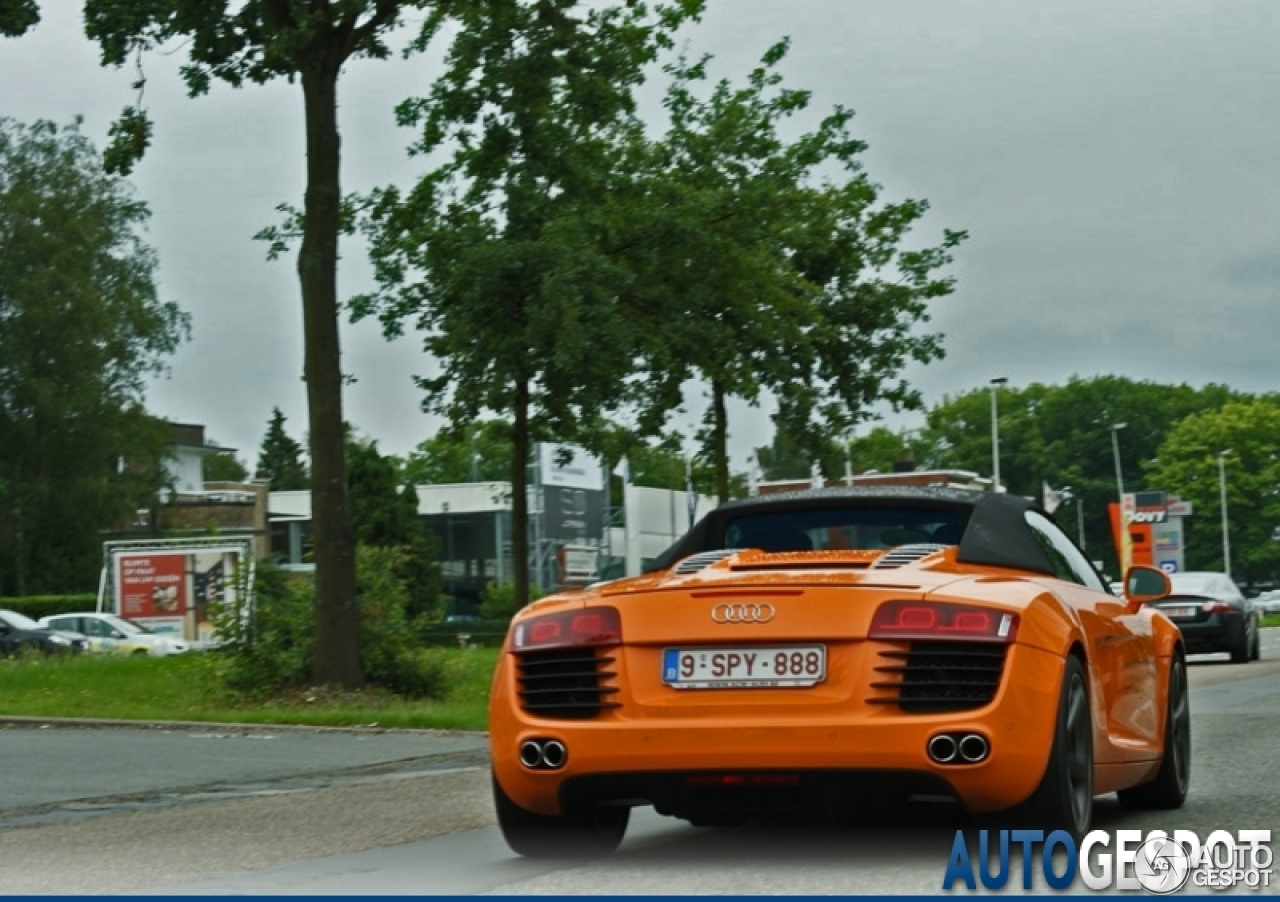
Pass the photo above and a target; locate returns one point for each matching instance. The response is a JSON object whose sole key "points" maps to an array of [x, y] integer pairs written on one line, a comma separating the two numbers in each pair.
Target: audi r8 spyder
{"points": [[838, 650]]}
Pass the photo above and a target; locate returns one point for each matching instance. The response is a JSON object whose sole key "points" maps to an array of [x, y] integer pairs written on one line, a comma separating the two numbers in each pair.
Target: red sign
{"points": [[152, 585]]}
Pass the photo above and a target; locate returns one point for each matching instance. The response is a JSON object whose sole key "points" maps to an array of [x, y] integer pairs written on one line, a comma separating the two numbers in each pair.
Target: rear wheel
{"points": [[1255, 651], [1240, 654], [1064, 798], [1169, 788], [593, 833]]}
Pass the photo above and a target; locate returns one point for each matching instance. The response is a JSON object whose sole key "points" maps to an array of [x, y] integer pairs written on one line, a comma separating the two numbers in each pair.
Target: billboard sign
{"points": [[151, 585], [573, 497]]}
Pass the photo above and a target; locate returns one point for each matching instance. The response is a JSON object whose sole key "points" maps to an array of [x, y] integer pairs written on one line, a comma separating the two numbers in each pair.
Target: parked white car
{"points": [[111, 633]]}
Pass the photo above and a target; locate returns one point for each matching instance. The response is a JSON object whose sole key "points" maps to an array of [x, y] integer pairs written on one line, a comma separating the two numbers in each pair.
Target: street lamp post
{"points": [[1070, 495], [1125, 547], [1222, 492], [995, 433], [1115, 453]]}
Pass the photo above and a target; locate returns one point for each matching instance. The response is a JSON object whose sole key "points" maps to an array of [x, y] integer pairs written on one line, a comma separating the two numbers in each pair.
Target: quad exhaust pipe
{"points": [[543, 754], [958, 748]]}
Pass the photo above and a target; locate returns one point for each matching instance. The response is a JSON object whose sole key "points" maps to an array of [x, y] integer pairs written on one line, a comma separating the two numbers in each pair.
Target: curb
{"points": [[7, 720]]}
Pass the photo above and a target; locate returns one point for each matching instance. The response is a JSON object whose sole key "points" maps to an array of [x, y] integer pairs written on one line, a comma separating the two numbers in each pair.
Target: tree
{"points": [[476, 452], [259, 41], [785, 458], [17, 17], [502, 256], [224, 466], [1187, 464], [384, 514], [280, 458], [1061, 434], [80, 328], [770, 265]]}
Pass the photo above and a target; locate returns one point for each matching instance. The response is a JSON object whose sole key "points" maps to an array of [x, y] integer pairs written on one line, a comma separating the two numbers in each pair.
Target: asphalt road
{"points": [[227, 811]]}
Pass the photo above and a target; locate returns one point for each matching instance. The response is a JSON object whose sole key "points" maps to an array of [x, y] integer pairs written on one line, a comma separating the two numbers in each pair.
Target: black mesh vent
{"points": [[942, 676], [565, 682]]}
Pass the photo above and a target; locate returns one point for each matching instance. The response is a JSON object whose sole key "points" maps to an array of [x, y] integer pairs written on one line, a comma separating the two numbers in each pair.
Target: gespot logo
{"points": [[1158, 862]]}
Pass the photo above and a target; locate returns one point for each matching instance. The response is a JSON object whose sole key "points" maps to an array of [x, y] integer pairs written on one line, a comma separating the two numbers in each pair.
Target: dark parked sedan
{"points": [[18, 633], [1213, 615]]}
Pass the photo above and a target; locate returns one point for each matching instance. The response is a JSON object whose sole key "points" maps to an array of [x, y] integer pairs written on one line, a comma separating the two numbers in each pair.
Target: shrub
{"points": [[37, 606], [271, 646], [498, 600]]}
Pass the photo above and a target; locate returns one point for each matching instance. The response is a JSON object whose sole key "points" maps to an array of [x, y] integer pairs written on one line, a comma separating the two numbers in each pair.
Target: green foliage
{"points": [[18, 16], [81, 328], [1187, 464], [384, 515], [475, 452], [1061, 435], [224, 467], [271, 646], [390, 648], [498, 601], [37, 606], [504, 257], [477, 633], [280, 458], [768, 264]]}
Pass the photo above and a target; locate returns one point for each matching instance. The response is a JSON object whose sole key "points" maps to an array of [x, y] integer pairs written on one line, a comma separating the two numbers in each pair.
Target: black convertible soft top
{"points": [[995, 527]]}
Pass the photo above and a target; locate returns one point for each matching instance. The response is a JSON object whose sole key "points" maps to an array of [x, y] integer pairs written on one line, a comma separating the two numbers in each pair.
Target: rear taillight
{"points": [[593, 626], [937, 620], [1217, 607]]}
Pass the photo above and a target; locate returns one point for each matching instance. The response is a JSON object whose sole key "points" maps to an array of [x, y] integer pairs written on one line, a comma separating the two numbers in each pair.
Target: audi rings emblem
{"points": [[742, 613]]}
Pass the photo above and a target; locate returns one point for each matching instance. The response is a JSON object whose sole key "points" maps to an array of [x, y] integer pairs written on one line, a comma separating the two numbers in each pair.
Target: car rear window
{"points": [[829, 529]]}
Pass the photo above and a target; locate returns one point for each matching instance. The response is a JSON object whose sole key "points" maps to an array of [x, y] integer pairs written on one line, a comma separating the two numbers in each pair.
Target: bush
{"points": [[272, 645], [37, 606], [498, 600]]}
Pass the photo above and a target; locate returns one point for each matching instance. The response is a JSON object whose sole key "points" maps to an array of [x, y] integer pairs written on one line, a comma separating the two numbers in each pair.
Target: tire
{"points": [[1241, 652], [1064, 798], [1255, 650], [141, 652], [590, 835], [1169, 788]]}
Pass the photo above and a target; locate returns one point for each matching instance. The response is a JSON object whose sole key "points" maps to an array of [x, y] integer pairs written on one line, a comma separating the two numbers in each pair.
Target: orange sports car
{"points": [[836, 649]]}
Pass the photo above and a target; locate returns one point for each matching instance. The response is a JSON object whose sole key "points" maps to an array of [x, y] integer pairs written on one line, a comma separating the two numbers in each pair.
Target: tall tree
{"points": [[778, 269], [80, 328], [502, 255], [280, 458], [259, 41], [1246, 434], [224, 466]]}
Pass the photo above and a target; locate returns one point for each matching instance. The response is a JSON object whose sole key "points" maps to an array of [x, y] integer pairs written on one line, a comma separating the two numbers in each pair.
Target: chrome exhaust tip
{"points": [[974, 748], [554, 753], [531, 754], [942, 748]]}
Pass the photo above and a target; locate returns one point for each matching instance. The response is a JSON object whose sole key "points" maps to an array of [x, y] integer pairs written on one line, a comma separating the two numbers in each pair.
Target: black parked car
{"points": [[19, 632], [1213, 615]]}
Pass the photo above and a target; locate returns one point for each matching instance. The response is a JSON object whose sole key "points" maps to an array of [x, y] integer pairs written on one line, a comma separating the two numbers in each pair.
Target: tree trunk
{"points": [[520, 492], [337, 651], [720, 440]]}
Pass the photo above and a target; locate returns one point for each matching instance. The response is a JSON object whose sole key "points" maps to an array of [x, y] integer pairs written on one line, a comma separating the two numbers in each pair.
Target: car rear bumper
{"points": [[1217, 632], [672, 757]]}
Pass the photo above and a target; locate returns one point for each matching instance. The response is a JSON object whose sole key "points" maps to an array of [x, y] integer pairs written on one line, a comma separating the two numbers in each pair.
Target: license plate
{"points": [[1180, 613], [744, 668]]}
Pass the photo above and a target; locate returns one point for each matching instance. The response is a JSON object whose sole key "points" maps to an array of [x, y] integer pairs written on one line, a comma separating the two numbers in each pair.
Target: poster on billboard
{"points": [[573, 499], [176, 585]]}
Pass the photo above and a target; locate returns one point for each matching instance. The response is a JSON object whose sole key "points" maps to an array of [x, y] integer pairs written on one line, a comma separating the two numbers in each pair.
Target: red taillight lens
{"points": [[1217, 607], [594, 626], [937, 620]]}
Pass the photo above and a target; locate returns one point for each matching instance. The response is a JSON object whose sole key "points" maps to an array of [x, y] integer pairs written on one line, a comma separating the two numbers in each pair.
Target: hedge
{"points": [[37, 606]]}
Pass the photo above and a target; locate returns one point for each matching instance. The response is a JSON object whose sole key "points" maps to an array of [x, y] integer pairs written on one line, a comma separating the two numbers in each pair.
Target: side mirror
{"points": [[1143, 584]]}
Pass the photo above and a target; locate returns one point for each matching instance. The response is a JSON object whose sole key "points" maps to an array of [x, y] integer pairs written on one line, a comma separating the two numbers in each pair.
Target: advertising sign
{"points": [[151, 585], [573, 497]]}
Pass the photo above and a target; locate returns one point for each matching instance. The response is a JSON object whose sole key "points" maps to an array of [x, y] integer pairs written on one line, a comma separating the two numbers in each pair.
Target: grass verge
{"points": [[1271, 619], [189, 687]]}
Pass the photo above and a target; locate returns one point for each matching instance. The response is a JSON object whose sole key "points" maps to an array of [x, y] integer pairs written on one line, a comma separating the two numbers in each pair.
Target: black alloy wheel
{"points": [[1064, 798], [588, 835], [1169, 788]]}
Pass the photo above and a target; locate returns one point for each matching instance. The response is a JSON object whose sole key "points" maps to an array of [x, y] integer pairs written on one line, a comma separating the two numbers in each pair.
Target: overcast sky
{"points": [[1117, 166]]}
